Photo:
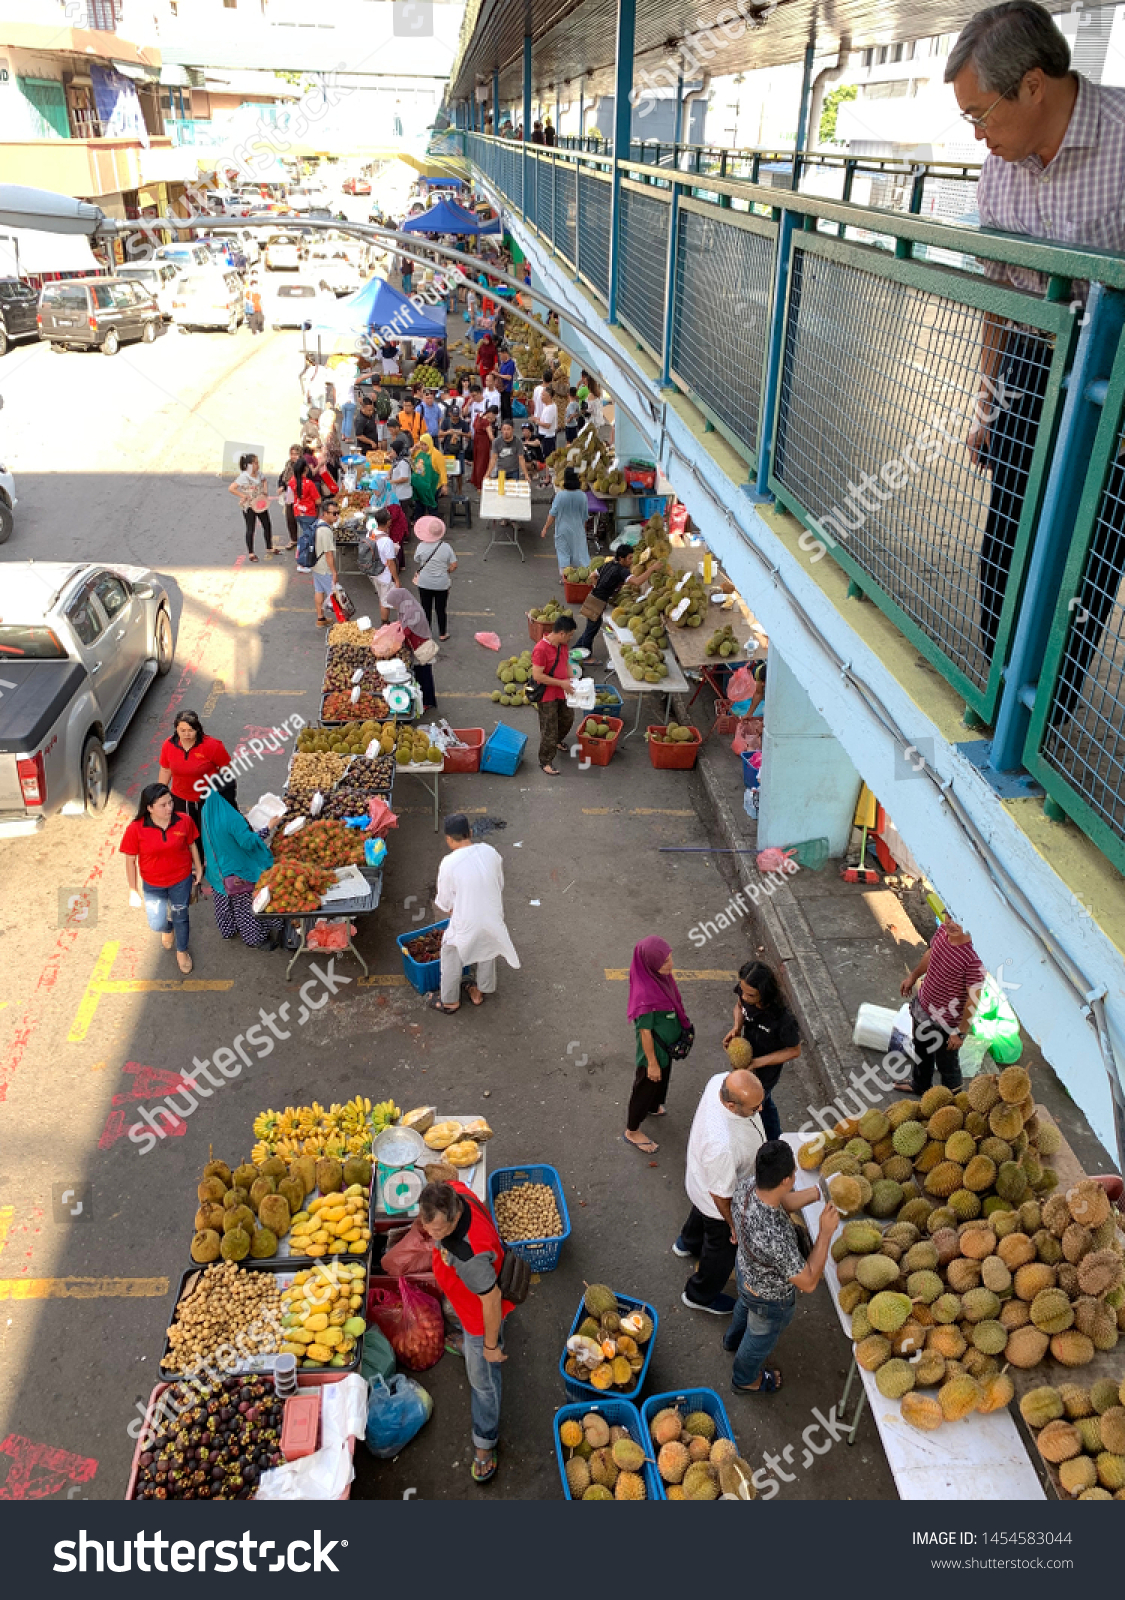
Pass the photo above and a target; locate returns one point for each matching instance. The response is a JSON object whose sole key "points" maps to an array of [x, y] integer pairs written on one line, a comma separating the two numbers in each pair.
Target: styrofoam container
{"points": [[873, 1026]]}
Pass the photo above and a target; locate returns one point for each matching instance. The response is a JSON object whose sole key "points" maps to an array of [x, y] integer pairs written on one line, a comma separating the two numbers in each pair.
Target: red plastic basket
{"points": [[576, 593], [466, 760], [537, 630], [600, 751], [674, 757], [725, 720]]}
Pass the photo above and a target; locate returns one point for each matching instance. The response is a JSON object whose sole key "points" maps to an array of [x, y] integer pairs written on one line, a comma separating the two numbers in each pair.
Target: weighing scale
{"points": [[398, 1185]]}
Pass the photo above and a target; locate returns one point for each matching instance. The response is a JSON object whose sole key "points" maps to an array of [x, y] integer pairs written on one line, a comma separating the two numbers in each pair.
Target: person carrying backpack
{"points": [[483, 1283], [316, 555]]}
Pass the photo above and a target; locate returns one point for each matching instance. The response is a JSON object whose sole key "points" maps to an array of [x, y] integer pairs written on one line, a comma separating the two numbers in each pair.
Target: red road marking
{"points": [[40, 1470], [68, 938]]}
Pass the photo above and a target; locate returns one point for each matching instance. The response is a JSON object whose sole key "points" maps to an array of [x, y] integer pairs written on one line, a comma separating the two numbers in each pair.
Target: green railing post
{"points": [[803, 115], [526, 170], [670, 276], [622, 122], [724, 199]]}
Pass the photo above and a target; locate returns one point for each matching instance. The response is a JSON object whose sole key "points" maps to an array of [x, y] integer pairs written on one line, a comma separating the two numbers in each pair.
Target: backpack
{"points": [[306, 547]]}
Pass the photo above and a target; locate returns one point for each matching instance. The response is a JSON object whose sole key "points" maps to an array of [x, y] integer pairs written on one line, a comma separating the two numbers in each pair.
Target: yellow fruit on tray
{"points": [[464, 1154], [443, 1134]]}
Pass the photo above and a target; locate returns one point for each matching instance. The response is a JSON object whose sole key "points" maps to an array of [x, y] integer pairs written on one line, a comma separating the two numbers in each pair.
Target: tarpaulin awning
{"points": [[445, 217], [378, 306], [119, 108], [28, 252]]}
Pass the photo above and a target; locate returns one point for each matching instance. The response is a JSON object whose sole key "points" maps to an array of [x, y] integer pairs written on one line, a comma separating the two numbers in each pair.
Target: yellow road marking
{"points": [[6, 1215], [218, 687], [681, 974], [382, 980], [101, 983], [82, 1288]]}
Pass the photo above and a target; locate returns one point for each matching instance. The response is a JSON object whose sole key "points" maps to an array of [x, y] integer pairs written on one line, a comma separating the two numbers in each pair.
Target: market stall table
{"points": [[978, 1458], [513, 506], [474, 1178], [357, 906], [429, 775], [674, 683]]}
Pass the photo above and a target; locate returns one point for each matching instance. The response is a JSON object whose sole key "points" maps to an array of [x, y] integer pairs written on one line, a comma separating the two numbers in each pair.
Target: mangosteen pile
{"points": [[221, 1438]]}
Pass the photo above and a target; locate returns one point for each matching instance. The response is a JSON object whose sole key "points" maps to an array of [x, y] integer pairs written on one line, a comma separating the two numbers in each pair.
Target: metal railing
{"points": [[837, 348]]}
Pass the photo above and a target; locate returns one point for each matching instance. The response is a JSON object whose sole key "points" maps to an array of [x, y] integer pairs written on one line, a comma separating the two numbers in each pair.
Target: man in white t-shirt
{"points": [[324, 567], [387, 552], [548, 423], [537, 396], [726, 1135], [491, 394]]}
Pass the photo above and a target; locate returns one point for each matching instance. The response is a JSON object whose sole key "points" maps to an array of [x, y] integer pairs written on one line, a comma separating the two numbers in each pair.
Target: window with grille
{"points": [[103, 14]]}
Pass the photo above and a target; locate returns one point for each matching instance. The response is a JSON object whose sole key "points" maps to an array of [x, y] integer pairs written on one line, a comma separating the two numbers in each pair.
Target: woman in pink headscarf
{"points": [[657, 1013]]}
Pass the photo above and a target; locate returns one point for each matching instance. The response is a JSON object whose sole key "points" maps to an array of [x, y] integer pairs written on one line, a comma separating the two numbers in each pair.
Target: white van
{"points": [[208, 299], [155, 276], [183, 256]]}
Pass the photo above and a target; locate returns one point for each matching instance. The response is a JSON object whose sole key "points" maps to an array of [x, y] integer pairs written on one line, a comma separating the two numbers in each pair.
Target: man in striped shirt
{"points": [[942, 1011], [1055, 170]]}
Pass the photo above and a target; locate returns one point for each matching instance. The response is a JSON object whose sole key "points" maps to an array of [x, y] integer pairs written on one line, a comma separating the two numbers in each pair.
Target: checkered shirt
{"points": [[1078, 199]]}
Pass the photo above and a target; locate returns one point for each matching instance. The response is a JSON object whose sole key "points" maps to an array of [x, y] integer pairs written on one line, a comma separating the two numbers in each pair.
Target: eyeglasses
{"points": [[979, 122]]}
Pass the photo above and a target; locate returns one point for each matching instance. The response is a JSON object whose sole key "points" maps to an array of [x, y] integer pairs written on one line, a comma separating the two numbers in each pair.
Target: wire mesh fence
{"points": [[545, 198], [877, 398], [721, 317], [1084, 740], [566, 212], [643, 273], [593, 230]]}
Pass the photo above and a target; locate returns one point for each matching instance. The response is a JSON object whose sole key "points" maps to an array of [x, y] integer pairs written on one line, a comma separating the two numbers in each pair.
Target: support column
{"points": [[809, 787], [622, 123], [678, 133], [495, 102], [803, 115], [760, 492], [582, 111], [526, 117]]}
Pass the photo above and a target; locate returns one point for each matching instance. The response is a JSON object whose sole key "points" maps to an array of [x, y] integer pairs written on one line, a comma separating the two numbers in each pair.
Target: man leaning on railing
{"points": [[1055, 169]]}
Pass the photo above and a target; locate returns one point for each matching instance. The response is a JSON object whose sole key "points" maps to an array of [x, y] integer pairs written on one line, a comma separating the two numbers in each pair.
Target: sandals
{"points": [[483, 1471], [435, 1003], [770, 1384], [552, 772], [253, 558], [647, 1147]]}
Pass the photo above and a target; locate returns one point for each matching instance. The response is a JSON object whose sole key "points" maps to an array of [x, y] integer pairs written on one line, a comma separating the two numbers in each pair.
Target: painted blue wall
{"points": [[808, 787]]}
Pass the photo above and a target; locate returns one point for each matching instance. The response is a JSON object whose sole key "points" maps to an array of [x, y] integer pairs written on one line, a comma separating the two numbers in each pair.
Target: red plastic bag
{"points": [[747, 736], [383, 819], [740, 685], [413, 1253], [490, 641], [412, 1323], [329, 934]]}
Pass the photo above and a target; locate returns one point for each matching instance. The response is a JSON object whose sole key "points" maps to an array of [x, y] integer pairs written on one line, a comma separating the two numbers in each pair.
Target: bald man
{"points": [[726, 1135]]}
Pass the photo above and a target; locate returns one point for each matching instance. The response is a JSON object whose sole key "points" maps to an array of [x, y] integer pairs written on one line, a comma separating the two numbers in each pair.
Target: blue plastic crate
{"points": [[652, 503], [575, 1389], [685, 1400], [541, 1255], [425, 976], [618, 1414], [612, 706], [503, 750]]}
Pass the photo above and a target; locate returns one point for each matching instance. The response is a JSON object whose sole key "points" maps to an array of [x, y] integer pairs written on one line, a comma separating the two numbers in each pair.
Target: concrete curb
{"points": [[790, 945]]}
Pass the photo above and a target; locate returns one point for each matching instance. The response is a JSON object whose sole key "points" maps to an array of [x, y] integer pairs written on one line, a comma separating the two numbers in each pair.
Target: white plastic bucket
{"points": [[873, 1026]]}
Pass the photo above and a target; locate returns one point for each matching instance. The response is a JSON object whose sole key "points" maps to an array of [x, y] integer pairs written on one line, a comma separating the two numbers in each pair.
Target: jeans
{"points": [[484, 1381], [709, 1239], [452, 972], [439, 598], [771, 1121], [755, 1328], [168, 908]]}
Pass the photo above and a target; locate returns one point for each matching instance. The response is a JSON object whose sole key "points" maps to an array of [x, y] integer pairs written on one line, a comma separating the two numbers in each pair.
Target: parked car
{"points": [[96, 314], [303, 196], [296, 302], [341, 275], [183, 256], [18, 305], [80, 645], [283, 252], [8, 503], [210, 298], [356, 186], [157, 277]]}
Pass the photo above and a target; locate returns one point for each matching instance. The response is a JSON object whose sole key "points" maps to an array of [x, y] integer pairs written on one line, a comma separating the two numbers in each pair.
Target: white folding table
{"points": [[507, 509], [674, 683]]}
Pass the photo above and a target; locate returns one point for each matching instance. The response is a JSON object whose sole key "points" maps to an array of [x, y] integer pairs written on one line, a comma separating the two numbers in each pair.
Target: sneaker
{"points": [[678, 1250], [721, 1306]]}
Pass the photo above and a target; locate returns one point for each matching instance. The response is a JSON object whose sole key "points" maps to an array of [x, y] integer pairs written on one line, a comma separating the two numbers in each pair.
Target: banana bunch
{"points": [[316, 1130], [383, 1115]]}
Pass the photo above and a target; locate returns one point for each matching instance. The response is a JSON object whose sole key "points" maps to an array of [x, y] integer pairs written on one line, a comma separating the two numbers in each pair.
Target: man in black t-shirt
{"points": [[762, 1018], [507, 454], [611, 579]]}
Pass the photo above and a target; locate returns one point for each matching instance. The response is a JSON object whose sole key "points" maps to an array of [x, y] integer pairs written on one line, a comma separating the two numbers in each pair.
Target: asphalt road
{"points": [[119, 458]]}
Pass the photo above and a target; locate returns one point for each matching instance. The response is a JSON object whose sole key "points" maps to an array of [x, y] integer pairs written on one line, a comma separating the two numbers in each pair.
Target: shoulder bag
{"points": [[514, 1277], [536, 690], [682, 1047]]}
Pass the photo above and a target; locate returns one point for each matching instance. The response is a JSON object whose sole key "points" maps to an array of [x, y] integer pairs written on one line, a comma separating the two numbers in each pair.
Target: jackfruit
{"points": [[273, 1213], [243, 1177], [210, 1189], [209, 1215], [263, 1244], [235, 1245], [238, 1217], [206, 1245]]}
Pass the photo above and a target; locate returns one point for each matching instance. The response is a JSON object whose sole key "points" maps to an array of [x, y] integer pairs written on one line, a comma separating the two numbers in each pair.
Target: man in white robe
{"points": [[470, 891]]}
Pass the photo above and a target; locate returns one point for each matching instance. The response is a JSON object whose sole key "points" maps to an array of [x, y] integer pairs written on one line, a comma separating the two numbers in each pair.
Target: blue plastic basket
{"points": [[577, 1390], [541, 1255], [751, 775], [425, 976], [612, 706], [503, 750], [685, 1400], [651, 503], [618, 1414]]}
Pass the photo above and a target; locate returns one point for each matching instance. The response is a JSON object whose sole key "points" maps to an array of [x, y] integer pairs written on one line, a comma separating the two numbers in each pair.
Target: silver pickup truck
{"points": [[79, 645]]}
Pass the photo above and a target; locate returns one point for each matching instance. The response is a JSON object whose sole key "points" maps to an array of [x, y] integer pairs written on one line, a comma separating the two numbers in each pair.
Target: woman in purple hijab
{"points": [[657, 1013]]}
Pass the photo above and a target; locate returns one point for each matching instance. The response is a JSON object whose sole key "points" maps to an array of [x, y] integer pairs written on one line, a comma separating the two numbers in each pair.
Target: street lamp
{"points": [[22, 207]]}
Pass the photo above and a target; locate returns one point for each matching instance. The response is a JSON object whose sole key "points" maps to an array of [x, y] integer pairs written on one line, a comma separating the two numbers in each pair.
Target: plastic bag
{"points": [[996, 1023], [329, 933], [773, 858], [490, 641], [388, 640], [740, 684], [378, 1359], [383, 819], [747, 736], [397, 1411], [414, 1252], [412, 1321]]}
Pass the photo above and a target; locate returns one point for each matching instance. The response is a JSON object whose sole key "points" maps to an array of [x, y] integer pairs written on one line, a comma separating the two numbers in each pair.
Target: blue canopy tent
{"points": [[378, 306], [442, 183], [445, 217]]}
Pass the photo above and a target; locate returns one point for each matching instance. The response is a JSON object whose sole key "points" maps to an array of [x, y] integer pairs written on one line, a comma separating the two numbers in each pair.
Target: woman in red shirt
{"points": [[188, 761], [162, 861]]}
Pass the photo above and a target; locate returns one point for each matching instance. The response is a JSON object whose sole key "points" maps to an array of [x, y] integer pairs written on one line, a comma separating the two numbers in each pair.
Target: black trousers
{"points": [[249, 518], [435, 599], [589, 633], [709, 1239], [931, 1043], [648, 1095]]}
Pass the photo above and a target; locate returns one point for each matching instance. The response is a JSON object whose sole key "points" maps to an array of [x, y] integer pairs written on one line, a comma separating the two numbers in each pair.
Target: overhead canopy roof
{"points": [[575, 39], [30, 251]]}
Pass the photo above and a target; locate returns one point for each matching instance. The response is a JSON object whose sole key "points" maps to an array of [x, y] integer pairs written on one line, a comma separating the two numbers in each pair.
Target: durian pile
{"points": [[693, 1463], [603, 1463], [348, 739], [723, 642], [673, 733], [948, 1292], [592, 728], [316, 1130], [606, 1351], [247, 1212], [593, 460], [528, 351], [550, 613], [646, 662], [584, 574], [1081, 1433], [514, 675], [428, 377], [414, 749]]}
